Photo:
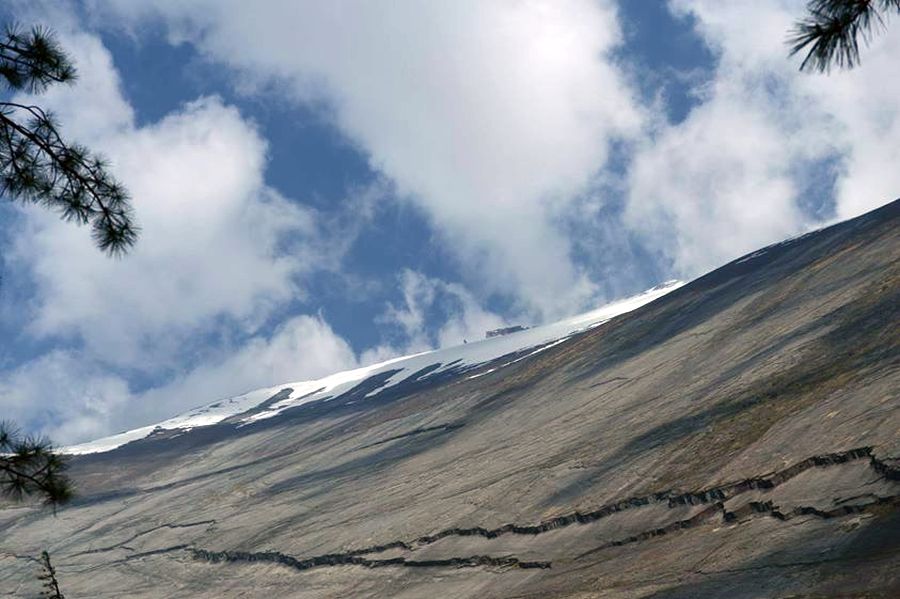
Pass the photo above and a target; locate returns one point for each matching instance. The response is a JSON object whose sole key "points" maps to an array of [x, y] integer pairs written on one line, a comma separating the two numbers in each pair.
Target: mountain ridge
{"points": [[739, 437], [456, 359]]}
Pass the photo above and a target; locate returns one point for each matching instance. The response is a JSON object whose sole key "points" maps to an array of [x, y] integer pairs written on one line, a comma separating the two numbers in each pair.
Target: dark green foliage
{"points": [[37, 165], [48, 576], [29, 466], [832, 30], [32, 61]]}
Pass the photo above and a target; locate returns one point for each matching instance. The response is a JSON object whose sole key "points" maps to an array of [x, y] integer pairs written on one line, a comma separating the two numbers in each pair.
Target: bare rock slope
{"points": [[738, 437]]}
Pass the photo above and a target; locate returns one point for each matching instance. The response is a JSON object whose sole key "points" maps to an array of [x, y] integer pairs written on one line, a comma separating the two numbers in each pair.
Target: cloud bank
{"points": [[766, 144], [518, 129], [220, 252], [490, 115]]}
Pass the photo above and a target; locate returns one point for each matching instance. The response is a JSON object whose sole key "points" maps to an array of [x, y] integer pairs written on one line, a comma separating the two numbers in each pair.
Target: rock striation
{"points": [[738, 437]]}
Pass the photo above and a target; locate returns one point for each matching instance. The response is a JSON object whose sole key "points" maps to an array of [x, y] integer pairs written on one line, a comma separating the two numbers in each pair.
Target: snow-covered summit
{"points": [[271, 401]]}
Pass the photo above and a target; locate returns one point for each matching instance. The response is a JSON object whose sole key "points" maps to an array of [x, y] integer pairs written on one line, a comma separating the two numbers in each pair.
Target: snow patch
{"points": [[467, 356]]}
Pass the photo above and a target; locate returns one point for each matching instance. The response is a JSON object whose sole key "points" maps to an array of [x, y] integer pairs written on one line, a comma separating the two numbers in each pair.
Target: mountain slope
{"points": [[737, 437], [416, 369]]}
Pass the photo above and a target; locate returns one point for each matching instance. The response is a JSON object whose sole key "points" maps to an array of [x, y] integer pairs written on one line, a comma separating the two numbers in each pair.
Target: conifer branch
{"points": [[30, 466], [37, 165], [832, 30]]}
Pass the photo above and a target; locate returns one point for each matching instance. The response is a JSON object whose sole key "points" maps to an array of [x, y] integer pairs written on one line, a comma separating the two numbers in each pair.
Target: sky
{"points": [[324, 185]]}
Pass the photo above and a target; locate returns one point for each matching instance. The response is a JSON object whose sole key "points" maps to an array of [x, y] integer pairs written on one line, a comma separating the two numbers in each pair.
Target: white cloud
{"points": [[433, 314], [863, 105], [220, 253], [73, 399], [301, 348], [64, 396], [491, 115], [854, 112], [728, 179], [716, 185], [216, 244], [91, 108]]}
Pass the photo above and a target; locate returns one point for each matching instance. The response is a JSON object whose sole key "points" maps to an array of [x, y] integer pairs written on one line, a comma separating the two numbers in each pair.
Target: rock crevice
{"points": [[337, 559]]}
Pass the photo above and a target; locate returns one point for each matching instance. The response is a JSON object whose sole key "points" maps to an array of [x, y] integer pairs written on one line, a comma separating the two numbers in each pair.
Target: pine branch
{"points": [[30, 466], [832, 30], [37, 165], [33, 60]]}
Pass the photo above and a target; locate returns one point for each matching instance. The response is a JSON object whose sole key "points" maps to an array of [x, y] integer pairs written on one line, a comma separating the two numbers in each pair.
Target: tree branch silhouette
{"points": [[37, 165], [30, 466], [832, 30]]}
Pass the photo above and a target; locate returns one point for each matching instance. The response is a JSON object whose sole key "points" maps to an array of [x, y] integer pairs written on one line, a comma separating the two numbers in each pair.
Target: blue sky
{"points": [[323, 185]]}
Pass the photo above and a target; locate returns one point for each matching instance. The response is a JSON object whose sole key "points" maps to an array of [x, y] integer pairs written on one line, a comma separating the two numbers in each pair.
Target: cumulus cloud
{"points": [[426, 301], [497, 118], [301, 348], [216, 242], [73, 399], [718, 184], [491, 115], [731, 177], [65, 396], [220, 254]]}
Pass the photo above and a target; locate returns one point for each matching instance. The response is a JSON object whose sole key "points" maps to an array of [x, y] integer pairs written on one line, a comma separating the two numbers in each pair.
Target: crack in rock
{"points": [[351, 558], [182, 547], [692, 522], [716, 495], [27, 558], [121, 544], [472, 561], [744, 513], [429, 429], [768, 507]]}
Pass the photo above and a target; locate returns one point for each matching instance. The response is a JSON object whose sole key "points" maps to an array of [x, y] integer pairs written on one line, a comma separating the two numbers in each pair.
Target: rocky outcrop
{"points": [[737, 438]]}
